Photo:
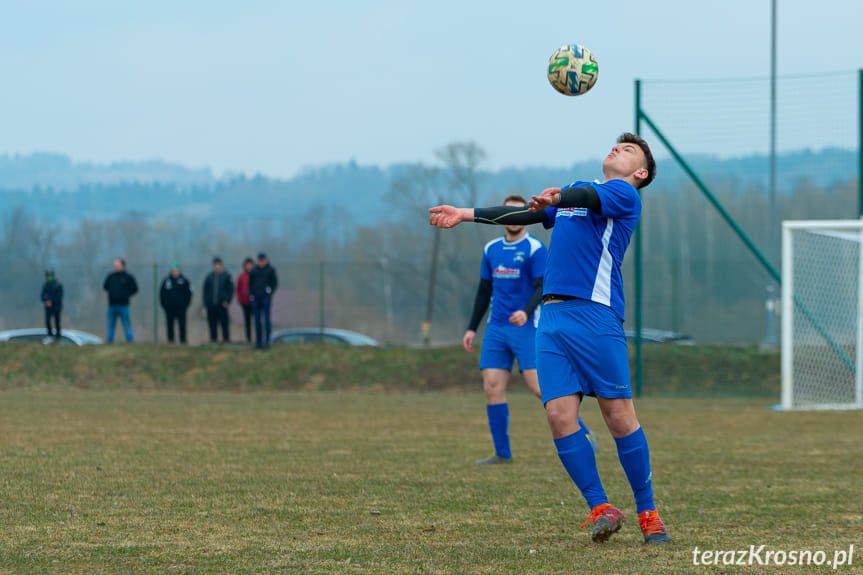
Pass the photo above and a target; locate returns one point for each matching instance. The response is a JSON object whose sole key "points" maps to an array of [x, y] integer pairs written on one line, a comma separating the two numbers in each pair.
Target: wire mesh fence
{"points": [[699, 277]]}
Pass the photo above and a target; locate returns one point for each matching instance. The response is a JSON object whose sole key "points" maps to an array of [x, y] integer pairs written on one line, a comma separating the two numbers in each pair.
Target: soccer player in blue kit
{"points": [[511, 282], [581, 347]]}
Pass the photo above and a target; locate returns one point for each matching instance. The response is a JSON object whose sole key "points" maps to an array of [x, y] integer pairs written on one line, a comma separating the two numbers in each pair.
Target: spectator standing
{"points": [[218, 292], [121, 286], [262, 285], [243, 296], [52, 299], [175, 295]]}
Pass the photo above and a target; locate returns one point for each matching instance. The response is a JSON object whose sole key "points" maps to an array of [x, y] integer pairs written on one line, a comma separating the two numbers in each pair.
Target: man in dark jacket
{"points": [[121, 286], [175, 295], [218, 291], [262, 285], [52, 299]]}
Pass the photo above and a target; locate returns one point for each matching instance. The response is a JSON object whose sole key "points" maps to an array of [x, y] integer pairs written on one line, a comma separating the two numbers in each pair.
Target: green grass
{"points": [[669, 371], [120, 481]]}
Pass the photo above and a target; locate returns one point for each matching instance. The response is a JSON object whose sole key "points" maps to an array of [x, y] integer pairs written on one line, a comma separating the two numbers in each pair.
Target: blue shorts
{"points": [[581, 348], [504, 342]]}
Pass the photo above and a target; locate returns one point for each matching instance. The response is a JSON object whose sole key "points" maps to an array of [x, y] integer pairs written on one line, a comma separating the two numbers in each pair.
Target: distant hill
{"points": [[58, 172]]}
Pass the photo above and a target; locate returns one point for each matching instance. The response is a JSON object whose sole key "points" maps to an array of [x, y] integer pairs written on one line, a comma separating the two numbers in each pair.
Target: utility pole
{"points": [[426, 326], [770, 305]]}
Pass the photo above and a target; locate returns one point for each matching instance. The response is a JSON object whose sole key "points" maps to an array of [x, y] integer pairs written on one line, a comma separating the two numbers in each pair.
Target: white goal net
{"points": [[822, 314]]}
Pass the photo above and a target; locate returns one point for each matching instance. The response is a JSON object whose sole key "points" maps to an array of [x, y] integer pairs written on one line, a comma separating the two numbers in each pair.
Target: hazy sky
{"points": [[272, 87]]}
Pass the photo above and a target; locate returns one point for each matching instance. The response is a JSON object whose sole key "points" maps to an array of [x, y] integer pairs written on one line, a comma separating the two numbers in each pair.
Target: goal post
{"points": [[822, 314]]}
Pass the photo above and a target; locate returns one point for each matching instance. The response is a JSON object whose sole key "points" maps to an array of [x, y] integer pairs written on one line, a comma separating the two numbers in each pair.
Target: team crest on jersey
{"points": [[518, 257]]}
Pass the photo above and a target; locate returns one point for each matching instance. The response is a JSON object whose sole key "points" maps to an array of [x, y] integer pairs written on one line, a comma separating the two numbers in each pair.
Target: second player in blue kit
{"points": [[511, 277]]}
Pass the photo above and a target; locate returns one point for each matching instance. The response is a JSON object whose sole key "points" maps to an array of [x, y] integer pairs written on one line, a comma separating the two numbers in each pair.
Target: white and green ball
{"points": [[572, 70]]}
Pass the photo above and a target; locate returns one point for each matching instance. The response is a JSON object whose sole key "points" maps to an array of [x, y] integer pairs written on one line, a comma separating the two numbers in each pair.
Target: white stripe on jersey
{"points": [[602, 284], [535, 244]]}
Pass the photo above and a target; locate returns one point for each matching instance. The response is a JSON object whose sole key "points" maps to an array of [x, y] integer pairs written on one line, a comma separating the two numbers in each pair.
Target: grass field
{"points": [[121, 481], [669, 371]]}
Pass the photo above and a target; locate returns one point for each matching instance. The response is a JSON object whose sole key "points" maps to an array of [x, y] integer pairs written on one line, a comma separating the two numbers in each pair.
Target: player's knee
{"points": [[558, 414], [492, 386], [621, 423]]}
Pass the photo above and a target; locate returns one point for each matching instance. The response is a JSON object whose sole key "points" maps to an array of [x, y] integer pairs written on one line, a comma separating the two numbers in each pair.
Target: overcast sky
{"points": [[273, 87]]}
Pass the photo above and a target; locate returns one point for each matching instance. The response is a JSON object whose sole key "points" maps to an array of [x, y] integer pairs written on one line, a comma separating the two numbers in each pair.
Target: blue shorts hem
{"points": [[558, 395], [510, 368]]}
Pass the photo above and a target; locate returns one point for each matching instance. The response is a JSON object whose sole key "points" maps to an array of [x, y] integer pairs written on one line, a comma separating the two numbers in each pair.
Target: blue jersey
{"points": [[512, 267], [587, 249]]}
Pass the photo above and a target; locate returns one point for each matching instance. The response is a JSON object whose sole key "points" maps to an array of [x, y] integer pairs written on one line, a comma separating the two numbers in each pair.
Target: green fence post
{"points": [[638, 264], [713, 200]]}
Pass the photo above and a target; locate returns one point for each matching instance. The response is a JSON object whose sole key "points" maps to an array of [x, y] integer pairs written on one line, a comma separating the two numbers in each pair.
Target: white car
{"points": [[40, 335]]}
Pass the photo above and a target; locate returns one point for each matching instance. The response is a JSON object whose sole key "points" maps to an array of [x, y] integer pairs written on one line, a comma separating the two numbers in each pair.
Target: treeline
{"points": [[363, 261]]}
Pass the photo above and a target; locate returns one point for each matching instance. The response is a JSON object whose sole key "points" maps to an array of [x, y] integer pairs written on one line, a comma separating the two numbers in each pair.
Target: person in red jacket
{"points": [[243, 296]]}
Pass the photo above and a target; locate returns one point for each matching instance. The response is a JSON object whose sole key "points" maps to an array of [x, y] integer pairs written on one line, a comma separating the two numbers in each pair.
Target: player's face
{"points": [[514, 230], [625, 160]]}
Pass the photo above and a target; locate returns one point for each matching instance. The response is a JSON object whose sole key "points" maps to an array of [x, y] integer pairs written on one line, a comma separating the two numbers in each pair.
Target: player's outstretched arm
{"points": [[448, 216]]}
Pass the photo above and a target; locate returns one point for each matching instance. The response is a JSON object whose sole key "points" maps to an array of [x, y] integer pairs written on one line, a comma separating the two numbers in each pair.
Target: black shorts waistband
{"points": [[551, 296]]}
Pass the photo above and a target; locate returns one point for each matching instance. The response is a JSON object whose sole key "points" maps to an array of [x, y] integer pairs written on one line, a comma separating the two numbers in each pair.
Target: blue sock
{"points": [[635, 458], [498, 423], [583, 426], [577, 456]]}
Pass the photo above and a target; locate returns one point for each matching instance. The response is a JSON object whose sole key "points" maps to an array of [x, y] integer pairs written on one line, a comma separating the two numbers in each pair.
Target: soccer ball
{"points": [[572, 70]]}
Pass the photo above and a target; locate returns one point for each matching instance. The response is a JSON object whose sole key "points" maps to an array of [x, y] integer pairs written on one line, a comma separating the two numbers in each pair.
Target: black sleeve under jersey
{"points": [[508, 216], [535, 298], [480, 304], [580, 197]]}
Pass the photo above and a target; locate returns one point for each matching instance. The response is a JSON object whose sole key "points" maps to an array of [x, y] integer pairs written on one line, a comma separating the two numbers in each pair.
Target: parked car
{"points": [[649, 335], [327, 335], [38, 335]]}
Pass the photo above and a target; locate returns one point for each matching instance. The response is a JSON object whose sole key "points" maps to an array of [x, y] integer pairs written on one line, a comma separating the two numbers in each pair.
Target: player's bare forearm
{"points": [[448, 216], [467, 340]]}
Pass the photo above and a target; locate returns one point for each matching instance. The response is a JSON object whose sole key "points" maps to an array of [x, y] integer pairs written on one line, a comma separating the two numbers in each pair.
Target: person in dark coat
{"points": [[52, 299], [175, 295], [218, 292], [121, 286], [262, 285]]}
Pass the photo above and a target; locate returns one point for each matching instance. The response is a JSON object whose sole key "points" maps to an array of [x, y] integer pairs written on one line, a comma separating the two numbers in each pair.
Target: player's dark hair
{"points": [[515, 198], [650, 163]]}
